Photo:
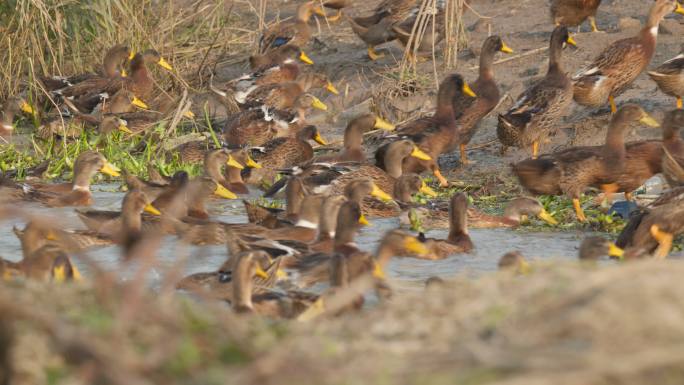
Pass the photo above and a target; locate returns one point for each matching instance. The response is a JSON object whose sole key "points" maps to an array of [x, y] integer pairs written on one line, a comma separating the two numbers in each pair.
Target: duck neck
{"points": [[344, 234], [445, 108], [486, 63], [393, 163], [555, 54], [671, 134], [293, 198], [81, 181], [213, 170], [353, 137], [615, 138], [385, 252], [7, 118], [402, 193], [233, 175], [242, 285], [132, 222], [458, 226]]}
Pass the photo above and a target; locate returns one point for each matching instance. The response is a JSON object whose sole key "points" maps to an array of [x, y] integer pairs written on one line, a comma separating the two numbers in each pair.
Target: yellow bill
{"points": [[110, 169], [382, 124], [51, 235], [76, 273], [164, 64], [27, 108], [679, 9], [615, 251], [189, 114], [468, 91], [131, 55], [234, 163], [413, 245], [505, 48], [331, 88], [425, 189], [124, 73], [419, 154], [378, 193], [251, 163], [123, 127], [571, 41], [151, 210], [377, 271], [363, 221], [281, 274], [139, 103], [260, 272], [649, 121], [224, 192], [304, 58], [319, 139], [318, 104], [319, 11], [59, 274], [524, 267], [546, 217]]}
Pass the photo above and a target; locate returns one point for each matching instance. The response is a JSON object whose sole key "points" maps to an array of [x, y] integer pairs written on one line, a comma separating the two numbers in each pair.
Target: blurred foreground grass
{"points": [[562, 324]]}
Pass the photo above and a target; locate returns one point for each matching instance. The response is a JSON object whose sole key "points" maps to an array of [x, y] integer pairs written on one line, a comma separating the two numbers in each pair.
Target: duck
{"points": [[594, 247], [296, 32], [112, 66], [139, 82], [353, 150], [70, 128], [288, 71], [255, 127], [232, 177], [279, 56], [515, 262], [218, 285], [469, 111], [215, 160], [435, 215], [305, 229], [327, 223], [338, 6], [432, 134], [646, 158], [433, 34], [284, 152], [378, 204], [274, 304], [570, 13], [572, 170], [611, 73], [127, 233], [539, 107], [652, 230], [673, 148], [385, 178], [314, 268], [458, 240], [669, 77], [74, 193], [11, 108], [376, 28], [44, 259], [283, 95]]}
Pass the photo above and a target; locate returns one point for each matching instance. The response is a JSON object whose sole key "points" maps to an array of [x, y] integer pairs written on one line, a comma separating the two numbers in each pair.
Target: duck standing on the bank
{"points": [[620, 63]]}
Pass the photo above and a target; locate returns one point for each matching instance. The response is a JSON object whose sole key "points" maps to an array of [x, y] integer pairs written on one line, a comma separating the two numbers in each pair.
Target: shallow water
{"points": [[406, 273]]}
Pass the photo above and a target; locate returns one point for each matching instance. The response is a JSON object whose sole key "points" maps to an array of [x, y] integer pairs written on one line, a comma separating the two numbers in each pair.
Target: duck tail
{"points": [[357, 28], [539, 176]]}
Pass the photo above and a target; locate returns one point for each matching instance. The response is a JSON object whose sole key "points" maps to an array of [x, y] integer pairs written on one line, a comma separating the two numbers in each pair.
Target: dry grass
{"points": [[605, 325], [63, 37]]}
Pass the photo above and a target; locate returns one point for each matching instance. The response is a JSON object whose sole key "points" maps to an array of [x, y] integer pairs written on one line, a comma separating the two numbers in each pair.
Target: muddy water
{"points": [[405, 273]]}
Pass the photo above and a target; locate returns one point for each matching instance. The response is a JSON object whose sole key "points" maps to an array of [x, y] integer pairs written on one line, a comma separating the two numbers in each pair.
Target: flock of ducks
{"points": [[278, 253]]}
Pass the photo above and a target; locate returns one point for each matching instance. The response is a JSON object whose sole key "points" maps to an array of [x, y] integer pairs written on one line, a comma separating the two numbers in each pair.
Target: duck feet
{"points": [[578, 210], [464, 155], [608, 191], [664, 242], [628, 196], [374, 55], [336, 17], [592, 21], [613, 108], [679, 102], [535, 149], [443, 182]]}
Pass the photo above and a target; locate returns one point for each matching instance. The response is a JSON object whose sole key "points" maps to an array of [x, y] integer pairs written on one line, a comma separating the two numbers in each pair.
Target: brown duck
{"points": [[673, 148], [278, 56], [572, 170], [296, 32], [469, 111], [352, 150], [570, 13], [458, 240], [611, 73], [669, 77], [539, 107]]}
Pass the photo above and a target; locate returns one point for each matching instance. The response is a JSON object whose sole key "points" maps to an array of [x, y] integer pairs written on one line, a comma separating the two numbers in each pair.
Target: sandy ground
{"points": [[525, 26]]}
